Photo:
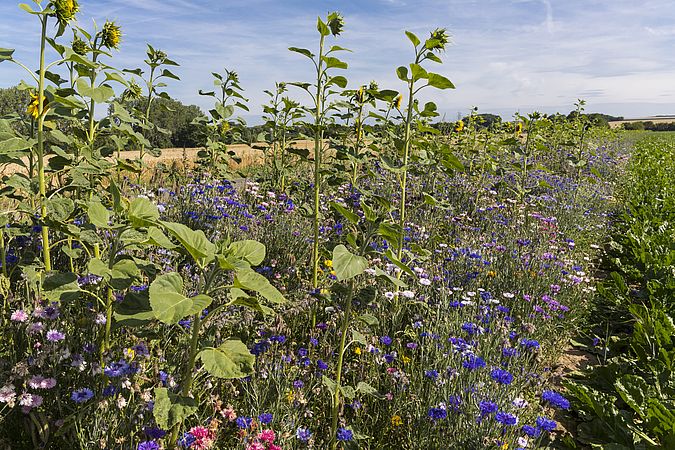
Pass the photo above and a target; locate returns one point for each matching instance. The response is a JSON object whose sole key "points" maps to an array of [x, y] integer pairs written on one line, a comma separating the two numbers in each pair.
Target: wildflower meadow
{"points": [[375, 278]]}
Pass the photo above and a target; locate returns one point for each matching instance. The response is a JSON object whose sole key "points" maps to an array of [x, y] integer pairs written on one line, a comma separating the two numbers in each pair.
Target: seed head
{"points": [[110, 35], [65, 10], [336, 23]]}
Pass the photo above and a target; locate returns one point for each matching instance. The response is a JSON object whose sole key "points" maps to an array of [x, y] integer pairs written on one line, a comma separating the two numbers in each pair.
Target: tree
{"points": [[13, 104], [174, 120]]}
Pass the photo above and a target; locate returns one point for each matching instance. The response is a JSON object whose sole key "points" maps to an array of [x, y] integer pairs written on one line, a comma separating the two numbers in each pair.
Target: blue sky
{"points": [[507, 55]]}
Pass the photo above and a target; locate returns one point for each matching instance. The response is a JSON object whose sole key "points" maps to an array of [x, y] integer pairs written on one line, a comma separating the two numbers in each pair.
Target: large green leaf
{"points": [[170, 409], [252, 281], [193, 241], [61, 287], [232, 359], [142, 212], [168, 302], [439, 81], [98, 215], [98, 94], [346, 264], [134, 310], [251, 251]]}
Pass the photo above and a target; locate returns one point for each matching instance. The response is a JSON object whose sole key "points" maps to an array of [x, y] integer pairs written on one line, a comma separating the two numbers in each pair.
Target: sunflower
{"points": [[438, 40], [33, 110], [65, 10], [459, 126], [110, 35], [336, 23], [79, 46], [519, 128], [397, 101]]}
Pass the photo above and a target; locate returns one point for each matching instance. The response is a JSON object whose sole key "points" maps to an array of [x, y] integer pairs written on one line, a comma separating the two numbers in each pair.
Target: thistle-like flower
{"points": [[438, 40], [65, 10], [336, 23], [79, 46], [110, 35]]}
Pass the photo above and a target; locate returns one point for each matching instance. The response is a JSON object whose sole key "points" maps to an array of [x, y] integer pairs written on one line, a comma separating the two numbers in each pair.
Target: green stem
{"points": [[406, 156], [338, 377], [40, 150], [3, 256], [318, 144]]}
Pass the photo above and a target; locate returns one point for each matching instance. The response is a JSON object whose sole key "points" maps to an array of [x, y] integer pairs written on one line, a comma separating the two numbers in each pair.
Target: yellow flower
{"points": [[110, 35], [397, 101], [328, 263], [357, 350], [505, 446], [519, 128], [491, 274], [459, 126], [290, 396], [405, 359], [332, 272], [33, 109], [396, 420], [65, 10], [129, 353], [324, 291]]}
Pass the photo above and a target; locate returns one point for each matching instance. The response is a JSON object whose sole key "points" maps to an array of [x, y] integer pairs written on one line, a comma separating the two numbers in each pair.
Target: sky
{"points": [[506, 56]]}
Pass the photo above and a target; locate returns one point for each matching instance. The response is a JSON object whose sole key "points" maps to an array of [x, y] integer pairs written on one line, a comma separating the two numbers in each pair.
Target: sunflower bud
{"points": [[79, 46], [336, 23], [65, 10], [438, 40], [361, 95], [519, 128], [133, 92], [110, 35], [459, 126], [397, 101]]}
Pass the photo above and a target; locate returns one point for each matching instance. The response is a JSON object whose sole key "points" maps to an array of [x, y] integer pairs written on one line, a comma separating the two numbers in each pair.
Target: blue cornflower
{"points": [[302, 352], [117, 369], [345, 434], [244, 422], [82, 395], [501, 376], [298, 384], [385, 340], [303, 434], [148, 445], [555, 399], [531, 431], [187, 440], [473, 362], [546, 424], [437, 413], [109, 390], [265, 418], [506, 418], [509, 352], [529, 343], [433, 374], [321, 365], [487, 407]]}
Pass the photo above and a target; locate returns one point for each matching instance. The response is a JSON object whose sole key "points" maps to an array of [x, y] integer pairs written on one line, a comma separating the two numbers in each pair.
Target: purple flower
{"points": [[148, 445], [244, 422], [531, 431], [473, 362], [345, 434], [55, 336], [487, 407], [303, 434], [386, 340], [82, 395], [265, 418]]}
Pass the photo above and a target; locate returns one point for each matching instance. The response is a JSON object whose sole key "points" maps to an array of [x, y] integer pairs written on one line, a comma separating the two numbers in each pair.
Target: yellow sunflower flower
{"points": [[110, 35]]}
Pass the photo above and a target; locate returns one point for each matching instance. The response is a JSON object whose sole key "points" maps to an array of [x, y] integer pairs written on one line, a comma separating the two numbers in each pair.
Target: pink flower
{"points": [[229, 414], [267, 436], [256, 446], [200, 432], [274, 447], [19, 316]]}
